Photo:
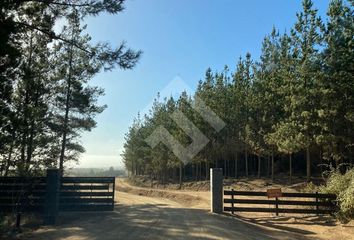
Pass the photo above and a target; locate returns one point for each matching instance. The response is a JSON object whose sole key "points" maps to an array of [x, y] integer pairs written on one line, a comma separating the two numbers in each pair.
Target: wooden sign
{"points": [[274, 193]]}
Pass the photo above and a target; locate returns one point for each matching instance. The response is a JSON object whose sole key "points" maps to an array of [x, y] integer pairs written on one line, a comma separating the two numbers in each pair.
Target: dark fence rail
{"points": [[87, 179], [41, 194], [18, 180], [87, 194], [317, 204], [22, 194]]}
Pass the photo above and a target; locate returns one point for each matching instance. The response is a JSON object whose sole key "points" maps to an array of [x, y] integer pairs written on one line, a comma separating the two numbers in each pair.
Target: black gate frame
{"points": [[53, 194]]}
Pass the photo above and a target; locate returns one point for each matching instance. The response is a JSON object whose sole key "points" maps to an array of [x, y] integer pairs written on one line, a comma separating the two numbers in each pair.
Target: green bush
{"points": [[343, 186], [309, 188]]}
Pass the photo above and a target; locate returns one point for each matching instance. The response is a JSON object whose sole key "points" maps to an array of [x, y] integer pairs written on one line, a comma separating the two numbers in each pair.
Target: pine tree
{"points": [[337, 89], [242, 82], [302, 87], [75, 67], [267, 83]]}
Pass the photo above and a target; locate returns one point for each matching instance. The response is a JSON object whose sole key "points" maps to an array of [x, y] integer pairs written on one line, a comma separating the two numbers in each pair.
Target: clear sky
{"points": [[179, 39]]}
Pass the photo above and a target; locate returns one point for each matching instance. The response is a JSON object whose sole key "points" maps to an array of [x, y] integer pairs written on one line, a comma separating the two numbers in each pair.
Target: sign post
{"points": [[275, 193]]}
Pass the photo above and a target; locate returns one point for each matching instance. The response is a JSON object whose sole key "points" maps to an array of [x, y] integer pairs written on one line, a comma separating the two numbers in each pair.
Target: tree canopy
{"points": [[46, 100]]}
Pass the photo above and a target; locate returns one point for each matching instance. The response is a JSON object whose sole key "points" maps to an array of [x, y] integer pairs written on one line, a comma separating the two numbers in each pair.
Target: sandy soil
{"points": [[187, 198], [142, 213]]}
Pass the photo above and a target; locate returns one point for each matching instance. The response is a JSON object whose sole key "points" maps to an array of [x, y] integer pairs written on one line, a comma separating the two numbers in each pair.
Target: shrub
{"points": [[309, 187], [343, 186]]}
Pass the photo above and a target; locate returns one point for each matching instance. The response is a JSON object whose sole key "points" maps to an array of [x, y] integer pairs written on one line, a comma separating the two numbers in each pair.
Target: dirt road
{"points": [[141, 217]]}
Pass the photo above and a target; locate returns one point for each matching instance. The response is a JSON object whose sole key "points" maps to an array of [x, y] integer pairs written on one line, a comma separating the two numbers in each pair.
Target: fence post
{"points": [[18, 220], [317, 207], [51, 204], [114, 187], [276, 207], [232, 204], [216, 190]]}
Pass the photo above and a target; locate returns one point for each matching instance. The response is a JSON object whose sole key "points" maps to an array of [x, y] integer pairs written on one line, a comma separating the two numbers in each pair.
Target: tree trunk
{"points": [[259, 166], [321, 159], [228, 168], [200, 171], [176, 173], [290, 168], [225, 166], [133, 168], [8, 160], [308, 165], [246, 163], [236, 163], [268, 166], [272, 165], [30, 147], [207, 170], [180, 175], [67, 107], [65, 130], [24, 140], [195, 172], [163, 171]]}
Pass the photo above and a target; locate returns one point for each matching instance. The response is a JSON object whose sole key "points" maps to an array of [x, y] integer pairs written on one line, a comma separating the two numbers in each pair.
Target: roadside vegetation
{"points": [[343, 186]]}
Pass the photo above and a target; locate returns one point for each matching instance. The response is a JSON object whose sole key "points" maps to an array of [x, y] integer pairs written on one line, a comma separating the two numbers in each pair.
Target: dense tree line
{"points": [[46, 100], [291, 108]]}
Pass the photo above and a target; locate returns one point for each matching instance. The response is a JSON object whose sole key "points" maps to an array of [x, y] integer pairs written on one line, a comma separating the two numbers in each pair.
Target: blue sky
{"points": [[180, 39]]}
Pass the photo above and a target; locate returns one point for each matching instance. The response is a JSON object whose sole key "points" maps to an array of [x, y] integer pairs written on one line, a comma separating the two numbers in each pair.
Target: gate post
{"points": [[51, 202], [216, 190]]}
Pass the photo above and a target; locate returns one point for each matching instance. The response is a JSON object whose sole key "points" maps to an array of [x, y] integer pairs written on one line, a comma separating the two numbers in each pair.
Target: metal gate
{"points": [[53, 193], [87, 194]]}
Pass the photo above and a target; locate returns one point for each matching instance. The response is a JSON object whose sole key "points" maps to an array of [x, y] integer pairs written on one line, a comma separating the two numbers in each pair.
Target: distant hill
{"points": [[96, 172]]}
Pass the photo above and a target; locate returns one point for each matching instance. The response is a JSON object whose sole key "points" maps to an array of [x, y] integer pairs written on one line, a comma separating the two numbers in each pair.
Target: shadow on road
{"points": [[157, 221]]}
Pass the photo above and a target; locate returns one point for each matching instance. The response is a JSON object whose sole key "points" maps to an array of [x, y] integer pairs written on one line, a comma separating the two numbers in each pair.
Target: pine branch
{"points": [[86, 4], [92, 6], [52, 35]]}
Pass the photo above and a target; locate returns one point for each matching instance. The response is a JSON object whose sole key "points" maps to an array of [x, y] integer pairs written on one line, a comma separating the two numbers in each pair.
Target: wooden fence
{"points": [[51, 194], [316, 203]]}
